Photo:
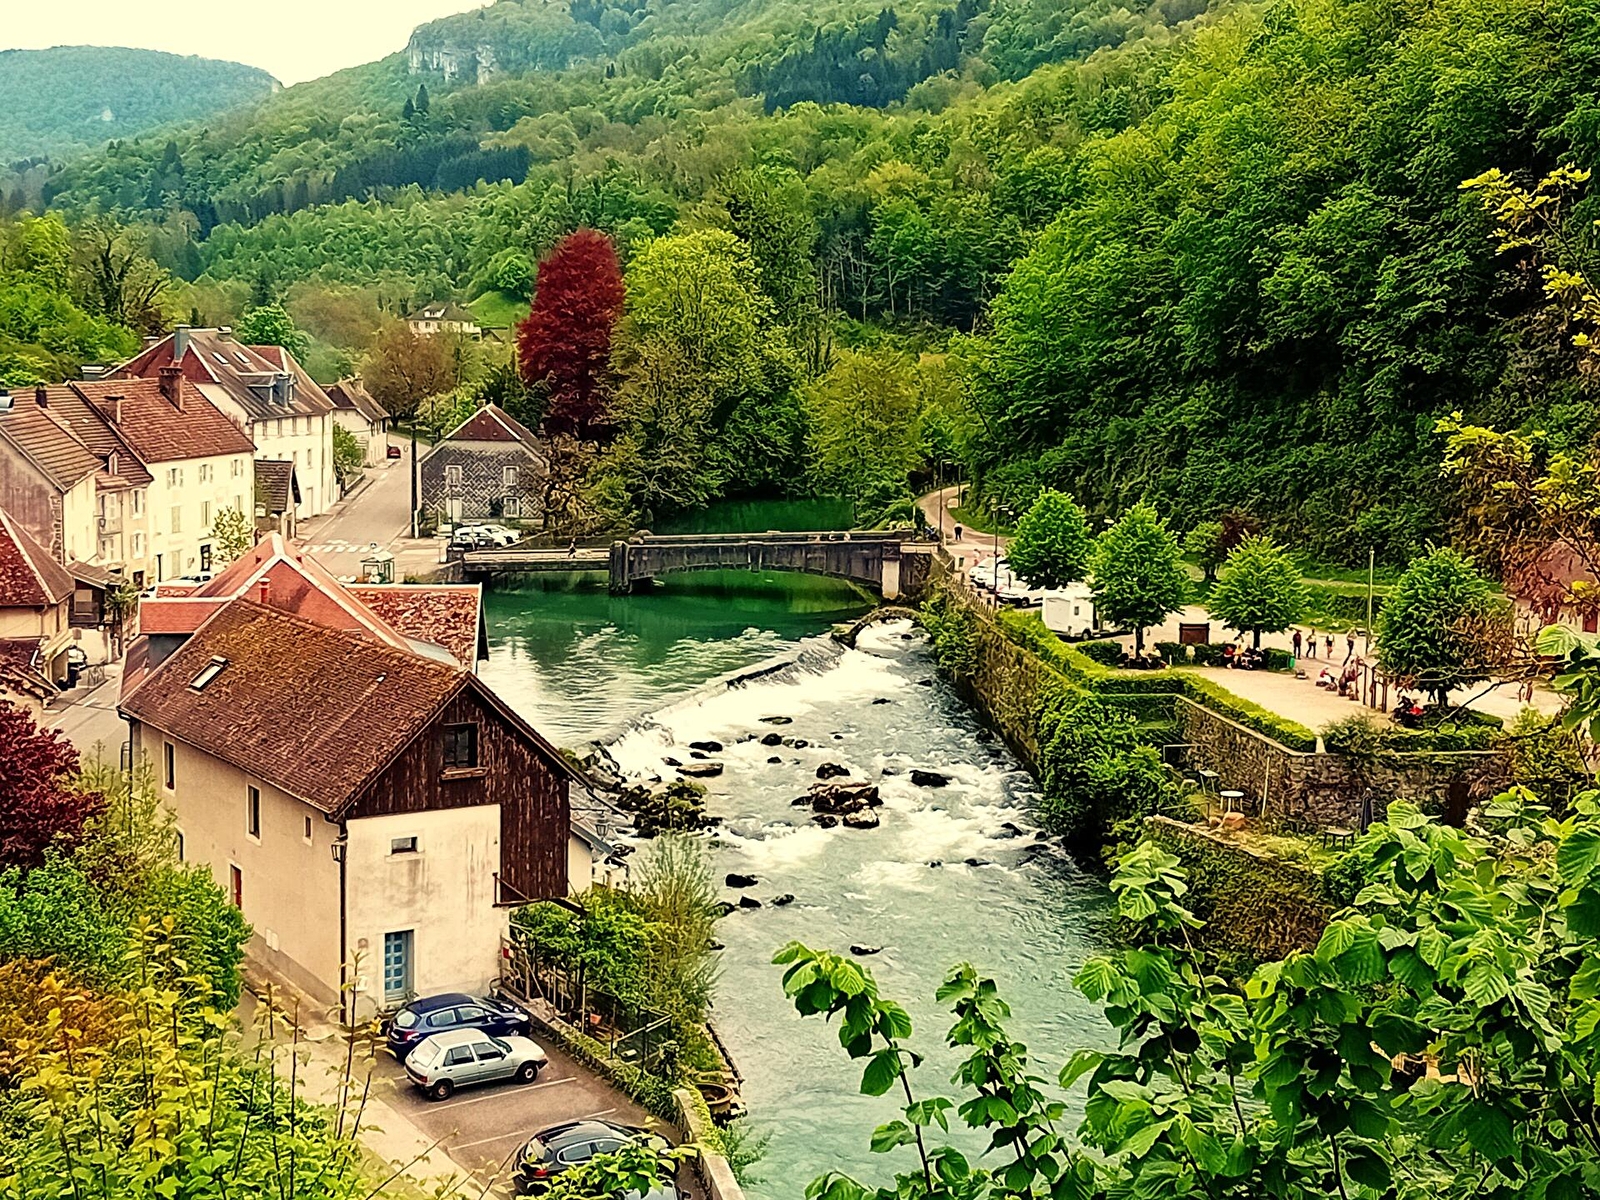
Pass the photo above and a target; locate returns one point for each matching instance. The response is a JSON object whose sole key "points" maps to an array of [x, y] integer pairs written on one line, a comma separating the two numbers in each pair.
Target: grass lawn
{"points": [[498, 310]]}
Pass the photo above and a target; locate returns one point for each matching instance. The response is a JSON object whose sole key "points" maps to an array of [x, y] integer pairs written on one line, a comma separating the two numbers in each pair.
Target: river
{"points": [[643, 673]]}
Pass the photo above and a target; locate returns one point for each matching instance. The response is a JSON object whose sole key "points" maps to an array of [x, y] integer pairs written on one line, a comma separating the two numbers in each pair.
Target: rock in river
{"points": [[863, 951], [930, 779], [777, 720], [708, 746], [776, 758], [722, 908], [741, 881], [831, 771], [772, 739], [701, 770], [842, 798], [749, 902], [825, 820], [780, 901], [861, 820]]}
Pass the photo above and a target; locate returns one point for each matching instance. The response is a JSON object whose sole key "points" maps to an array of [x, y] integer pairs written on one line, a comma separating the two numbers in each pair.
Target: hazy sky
{"points": [[295, 40]]}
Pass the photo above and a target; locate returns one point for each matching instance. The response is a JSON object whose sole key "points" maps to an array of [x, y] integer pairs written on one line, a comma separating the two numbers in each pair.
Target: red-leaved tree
{"points": [[564, 343], [38, 804]]}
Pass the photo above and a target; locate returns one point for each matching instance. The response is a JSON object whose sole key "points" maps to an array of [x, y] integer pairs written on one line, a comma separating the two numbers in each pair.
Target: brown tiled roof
{"points": [[161, 431], [47, 442], [276, 484], [312, 710], [491, 423], [352, 394], [448, 615], [447, 310], [29, 577], [72, 404], [176, 614], [214, 357], [19, 669]]}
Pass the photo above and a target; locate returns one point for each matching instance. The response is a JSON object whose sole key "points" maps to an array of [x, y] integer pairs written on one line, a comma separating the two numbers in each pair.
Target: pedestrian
{"points": [[572, 548], [1349, 645], [958, 533], [1311, 644], [1295, 642], [1328, 643]]}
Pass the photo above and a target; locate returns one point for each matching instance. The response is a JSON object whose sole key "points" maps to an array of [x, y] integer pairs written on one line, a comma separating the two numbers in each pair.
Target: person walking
{"points": [[1311, 643], [958, 533], [1328, 645], [1349, 645], [1295, 642], [572, 548]]}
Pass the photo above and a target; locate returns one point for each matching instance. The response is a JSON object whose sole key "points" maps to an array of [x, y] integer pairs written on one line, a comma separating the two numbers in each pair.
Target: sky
{"points": [[294, 40]]}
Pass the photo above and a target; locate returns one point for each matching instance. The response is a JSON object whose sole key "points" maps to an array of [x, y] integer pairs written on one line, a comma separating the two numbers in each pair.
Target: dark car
{"points": [[562, 1147], [393, 452], [453, 1010]]}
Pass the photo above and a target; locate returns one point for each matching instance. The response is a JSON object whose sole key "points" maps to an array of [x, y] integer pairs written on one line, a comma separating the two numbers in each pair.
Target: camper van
{"points": [[1069, 612]]}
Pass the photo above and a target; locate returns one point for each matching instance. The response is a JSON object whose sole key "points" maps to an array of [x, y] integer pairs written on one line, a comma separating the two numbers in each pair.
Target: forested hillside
{"points": [[1219, 257], [57, 102]]}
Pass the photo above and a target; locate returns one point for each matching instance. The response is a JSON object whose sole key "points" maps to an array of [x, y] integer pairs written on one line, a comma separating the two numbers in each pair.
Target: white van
{"points": [[1069, 612]]}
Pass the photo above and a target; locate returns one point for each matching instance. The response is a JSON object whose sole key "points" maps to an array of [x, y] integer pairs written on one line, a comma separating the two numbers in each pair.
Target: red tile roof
{"points": [[160, 430], [46, 441], [352, 394], [29, 577], [19, 669], [314, 711], [448, 615], [212, 356], [165, 614], [276, 484], [491, 423]]}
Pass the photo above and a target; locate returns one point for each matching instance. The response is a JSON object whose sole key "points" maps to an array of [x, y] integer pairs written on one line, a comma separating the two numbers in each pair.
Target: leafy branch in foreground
{"points": [[1440, 1041]]}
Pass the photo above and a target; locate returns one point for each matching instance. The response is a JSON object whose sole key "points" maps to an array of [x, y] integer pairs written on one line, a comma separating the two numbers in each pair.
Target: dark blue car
{"points": [[453, 1010]]}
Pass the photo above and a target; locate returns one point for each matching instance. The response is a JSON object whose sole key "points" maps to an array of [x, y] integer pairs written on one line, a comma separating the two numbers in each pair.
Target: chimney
{"points": [[41, 397], [116, 409], [180, 343], [172, 386], [265, 589]]}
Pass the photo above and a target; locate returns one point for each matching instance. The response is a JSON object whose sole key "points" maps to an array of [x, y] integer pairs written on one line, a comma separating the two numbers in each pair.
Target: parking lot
{"points": [[483, 1128]]}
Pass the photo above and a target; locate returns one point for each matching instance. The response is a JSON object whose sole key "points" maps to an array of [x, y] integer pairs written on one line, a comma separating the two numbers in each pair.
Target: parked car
{"points": [[499, 535], [562, 1147], [393, 452], [443, 1062], [453, 1010], [991, 573]]}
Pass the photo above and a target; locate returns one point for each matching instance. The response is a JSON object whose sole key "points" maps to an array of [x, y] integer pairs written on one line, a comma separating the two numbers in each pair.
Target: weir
{"points": [[890, 562]]}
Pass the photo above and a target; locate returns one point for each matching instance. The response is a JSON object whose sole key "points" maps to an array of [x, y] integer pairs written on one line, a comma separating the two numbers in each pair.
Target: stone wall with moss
{"points": [[1257, 905]]}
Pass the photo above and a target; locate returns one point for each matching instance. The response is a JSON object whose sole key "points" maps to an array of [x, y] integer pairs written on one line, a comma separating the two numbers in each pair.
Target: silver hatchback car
{"points": [[461, 1057]]}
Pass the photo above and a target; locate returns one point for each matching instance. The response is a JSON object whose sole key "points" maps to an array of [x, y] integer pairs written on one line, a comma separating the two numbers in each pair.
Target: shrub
{"points": [[1094, 771], [1107, 654], [1208, 654], [952, 634], [1174, 653], [1277, 660]]}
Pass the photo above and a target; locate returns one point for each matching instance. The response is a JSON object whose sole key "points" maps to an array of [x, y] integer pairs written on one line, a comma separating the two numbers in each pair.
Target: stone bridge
{"points": [[886, 561]]}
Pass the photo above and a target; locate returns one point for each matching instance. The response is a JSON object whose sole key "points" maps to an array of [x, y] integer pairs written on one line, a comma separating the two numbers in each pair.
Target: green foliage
{"points": [[1258, 589], [1094, 772], [1107, 654], [1364, 736], [1435, 631], [1458, 947], [56, 102], [233, 532], [348, 457], [271, 325], [634, 1170], [1138, 577], [952, 632], [1052, 544], [1208, 542], [862, 430], [674, 890]]}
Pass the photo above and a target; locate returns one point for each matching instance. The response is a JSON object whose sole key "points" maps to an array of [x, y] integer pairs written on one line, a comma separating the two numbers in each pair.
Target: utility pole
{"points": [[413, 476]]}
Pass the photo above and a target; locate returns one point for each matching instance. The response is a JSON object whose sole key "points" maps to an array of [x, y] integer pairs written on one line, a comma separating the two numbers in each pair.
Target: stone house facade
{"points": [[490, 467]]}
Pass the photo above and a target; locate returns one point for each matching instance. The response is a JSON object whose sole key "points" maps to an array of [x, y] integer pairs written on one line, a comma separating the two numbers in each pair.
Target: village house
{"points": [[121, 482], [265, 392], [364, 418], [373, 808], [489, 466], [277, 497], [35, 618], [433, 319]]}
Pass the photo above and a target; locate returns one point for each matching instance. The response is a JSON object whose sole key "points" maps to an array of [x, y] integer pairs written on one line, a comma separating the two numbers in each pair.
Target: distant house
{"points": [[370, 804], [265, 392], [1557, 587], [433, 319], [356, 411], [277, 496], [489, 466], [35, 617]]}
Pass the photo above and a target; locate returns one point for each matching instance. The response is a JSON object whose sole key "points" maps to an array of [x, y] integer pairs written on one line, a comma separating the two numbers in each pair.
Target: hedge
{"points": [[1028, 630], [651, 1091]]}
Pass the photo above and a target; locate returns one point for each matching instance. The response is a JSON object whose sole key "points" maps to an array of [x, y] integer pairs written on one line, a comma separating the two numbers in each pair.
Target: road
{"points": [[380, 512], [970, 547], [89, 718]]}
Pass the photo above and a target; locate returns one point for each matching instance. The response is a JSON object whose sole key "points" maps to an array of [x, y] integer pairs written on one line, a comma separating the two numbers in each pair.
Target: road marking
{"points": [[604, 1112], [527, 1087], [488, 1140]]}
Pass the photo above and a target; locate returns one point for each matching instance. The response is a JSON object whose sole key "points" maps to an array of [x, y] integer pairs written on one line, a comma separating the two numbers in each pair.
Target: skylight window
{"points": [[208, 672], [243, 361], [219, 358]]}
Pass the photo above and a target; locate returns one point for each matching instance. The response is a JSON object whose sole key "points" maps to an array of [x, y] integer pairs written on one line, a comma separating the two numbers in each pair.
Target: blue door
{"points": [[396, 967]]}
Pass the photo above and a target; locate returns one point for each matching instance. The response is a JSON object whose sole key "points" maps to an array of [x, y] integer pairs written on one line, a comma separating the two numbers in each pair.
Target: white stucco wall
{"points": [[443, 893], [199, 488], [308, 443]]}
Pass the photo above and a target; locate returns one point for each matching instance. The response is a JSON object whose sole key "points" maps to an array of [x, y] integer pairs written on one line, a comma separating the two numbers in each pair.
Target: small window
{"points": [[208, 672], [307, 833], [172, 476], [399, 845], [511, 507], [489, 1052], [205, 514], [452, 475], [458, 1056], [508, 478], [169, 765], [177, 835], [460, 747], [138, 503], [252, 812], [235, 886], [177, 519]]}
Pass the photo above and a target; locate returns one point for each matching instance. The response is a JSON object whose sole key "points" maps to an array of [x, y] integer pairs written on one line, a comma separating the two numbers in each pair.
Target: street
{"points": [[380, 511]]}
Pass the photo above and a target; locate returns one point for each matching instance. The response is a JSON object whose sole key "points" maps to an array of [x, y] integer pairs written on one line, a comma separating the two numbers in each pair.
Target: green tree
{"points": [[1137, 572], [271, 325], [1051, 546], [233, 533], [1259, 589], [1208, 543], [862, 430], [1436, 630], [348, 457]]}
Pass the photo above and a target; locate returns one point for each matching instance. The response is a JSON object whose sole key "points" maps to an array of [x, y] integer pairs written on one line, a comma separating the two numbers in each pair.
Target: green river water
{"points": [[648, 674]]}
